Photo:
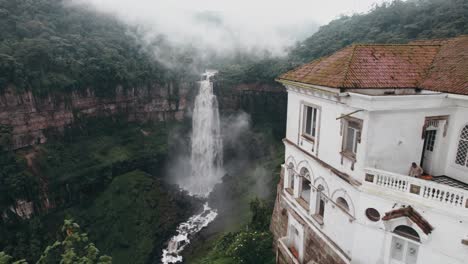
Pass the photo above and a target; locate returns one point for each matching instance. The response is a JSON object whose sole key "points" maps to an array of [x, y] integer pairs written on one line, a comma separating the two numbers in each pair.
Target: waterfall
{"points": [[207, 149], [192, 226], [206, 166]]}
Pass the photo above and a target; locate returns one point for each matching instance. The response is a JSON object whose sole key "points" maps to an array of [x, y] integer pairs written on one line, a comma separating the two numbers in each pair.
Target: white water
{"points": [[184, 231], [206, 160], [206, 167]]}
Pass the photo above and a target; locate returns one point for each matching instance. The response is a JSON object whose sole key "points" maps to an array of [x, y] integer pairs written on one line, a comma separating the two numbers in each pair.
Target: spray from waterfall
{"points": [[207, 149], [206, 166]]}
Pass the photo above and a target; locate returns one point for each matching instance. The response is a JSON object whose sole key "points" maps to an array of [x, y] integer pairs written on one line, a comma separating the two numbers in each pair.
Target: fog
{"points": [[225, 27]]}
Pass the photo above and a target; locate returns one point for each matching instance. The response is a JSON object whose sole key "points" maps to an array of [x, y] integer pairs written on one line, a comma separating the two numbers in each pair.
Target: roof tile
{"points": [[439, 65]]}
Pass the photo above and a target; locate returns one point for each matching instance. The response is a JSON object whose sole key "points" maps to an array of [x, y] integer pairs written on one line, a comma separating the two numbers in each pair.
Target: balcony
{"points": [[440, 194], [288, 252]]}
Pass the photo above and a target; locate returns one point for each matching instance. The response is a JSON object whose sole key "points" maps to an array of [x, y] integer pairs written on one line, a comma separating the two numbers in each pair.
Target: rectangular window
{"points": [[321, 209], [310, 122], [403, 251], [352, 135], [430, 139]]}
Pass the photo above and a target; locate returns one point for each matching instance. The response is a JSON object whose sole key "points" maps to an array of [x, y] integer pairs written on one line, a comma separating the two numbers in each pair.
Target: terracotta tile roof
{"points": [[449, 71], [328, 71], [439, 65], [412, 215]]}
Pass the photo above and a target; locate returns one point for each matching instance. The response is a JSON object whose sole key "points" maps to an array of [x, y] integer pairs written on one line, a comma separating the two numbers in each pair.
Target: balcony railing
{"points": [[428, 190]]}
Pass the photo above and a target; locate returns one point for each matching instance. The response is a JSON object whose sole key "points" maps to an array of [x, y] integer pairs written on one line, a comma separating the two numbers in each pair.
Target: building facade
{"points": [[356, 121]]}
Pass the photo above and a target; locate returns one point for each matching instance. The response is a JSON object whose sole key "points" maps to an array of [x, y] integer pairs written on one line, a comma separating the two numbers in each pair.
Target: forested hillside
{"points": [[46, 46], [394, 22], [50, 48]]}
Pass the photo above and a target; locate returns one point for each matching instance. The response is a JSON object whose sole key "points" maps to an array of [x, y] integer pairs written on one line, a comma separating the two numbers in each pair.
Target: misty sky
{"points": [[229, 25]]}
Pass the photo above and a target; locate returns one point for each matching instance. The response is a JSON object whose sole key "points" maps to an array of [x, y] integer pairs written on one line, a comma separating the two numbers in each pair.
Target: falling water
{"points": [[206, 166], [185, 230], [207, 149]]}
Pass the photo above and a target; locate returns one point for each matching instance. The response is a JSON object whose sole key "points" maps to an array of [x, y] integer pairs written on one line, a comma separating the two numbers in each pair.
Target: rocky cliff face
{"points": [[251, 97], [265, 103], [31, 117]]}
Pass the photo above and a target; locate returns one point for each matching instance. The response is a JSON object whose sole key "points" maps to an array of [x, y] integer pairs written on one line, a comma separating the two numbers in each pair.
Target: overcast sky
{"points": [[226, 25]]}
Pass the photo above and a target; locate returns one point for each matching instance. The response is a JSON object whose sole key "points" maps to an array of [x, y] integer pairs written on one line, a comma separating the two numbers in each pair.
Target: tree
{"points": [[74, 248]]}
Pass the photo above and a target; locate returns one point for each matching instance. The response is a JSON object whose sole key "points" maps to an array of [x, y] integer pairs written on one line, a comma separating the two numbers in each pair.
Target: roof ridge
{"points": [[349, 65]]}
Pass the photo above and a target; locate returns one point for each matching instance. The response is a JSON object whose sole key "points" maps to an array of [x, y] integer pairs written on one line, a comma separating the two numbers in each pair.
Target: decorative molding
{"points": [[344, 176], [434, 121], [411, 214]]}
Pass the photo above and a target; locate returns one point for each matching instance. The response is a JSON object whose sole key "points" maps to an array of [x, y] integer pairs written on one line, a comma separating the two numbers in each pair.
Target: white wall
{"points": [[391, 140], [443, 245], [395, 140], [329, 138], [337, 225], [457, 123]]}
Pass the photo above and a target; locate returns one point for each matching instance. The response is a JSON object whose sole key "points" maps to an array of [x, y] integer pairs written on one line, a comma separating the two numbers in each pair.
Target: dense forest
{"points": [[47, 46], [105, 173]]}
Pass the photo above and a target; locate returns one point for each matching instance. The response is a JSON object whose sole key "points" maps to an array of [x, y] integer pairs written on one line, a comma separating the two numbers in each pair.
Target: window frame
{"points": [[431, 135], [342, 203], [305, 182], [315, 116], [357, 127], [320, 205], [407, 243]]}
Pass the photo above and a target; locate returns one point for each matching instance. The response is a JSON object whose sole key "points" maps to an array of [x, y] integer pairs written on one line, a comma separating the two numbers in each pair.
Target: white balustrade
{"points": [[425, 189]]}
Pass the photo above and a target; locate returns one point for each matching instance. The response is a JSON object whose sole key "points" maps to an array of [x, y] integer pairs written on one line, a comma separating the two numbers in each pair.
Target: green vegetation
{"points": [[394, 22], [133, 217], [16, 183], [95, 151], [47, 46], [92, 176], [251, 245], [75, 248]]}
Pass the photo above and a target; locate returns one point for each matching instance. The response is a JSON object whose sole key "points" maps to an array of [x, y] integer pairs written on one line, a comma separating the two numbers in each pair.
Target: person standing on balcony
{"points": [[415, 170]]}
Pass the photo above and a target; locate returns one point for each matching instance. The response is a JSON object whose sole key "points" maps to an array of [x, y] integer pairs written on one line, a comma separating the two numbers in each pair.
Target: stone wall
{"points": [[31, 116]]}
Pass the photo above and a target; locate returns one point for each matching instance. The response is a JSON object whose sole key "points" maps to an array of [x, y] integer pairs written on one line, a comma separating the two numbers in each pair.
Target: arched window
{"points": [[305, 173], [305, 189], [462, 151], [406, 231], [340, 201]]}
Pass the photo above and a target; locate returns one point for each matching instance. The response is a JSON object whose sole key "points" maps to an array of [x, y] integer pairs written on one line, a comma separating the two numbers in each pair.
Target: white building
{"points": [[357, 119]]}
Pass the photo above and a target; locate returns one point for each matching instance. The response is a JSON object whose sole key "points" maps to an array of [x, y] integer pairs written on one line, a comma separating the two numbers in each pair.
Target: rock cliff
{"points": [[31, 117]]}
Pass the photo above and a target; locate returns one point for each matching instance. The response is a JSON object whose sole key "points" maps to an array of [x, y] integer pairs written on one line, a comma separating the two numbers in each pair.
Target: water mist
{"points": [[207, 149], [206, 163]]}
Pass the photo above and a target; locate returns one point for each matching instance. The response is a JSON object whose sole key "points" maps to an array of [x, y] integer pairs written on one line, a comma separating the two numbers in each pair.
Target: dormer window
{"points": [[309, 128]]}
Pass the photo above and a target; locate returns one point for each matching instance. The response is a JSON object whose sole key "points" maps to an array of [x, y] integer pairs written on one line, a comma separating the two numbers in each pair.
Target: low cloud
{"points": [[206, 27]]}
